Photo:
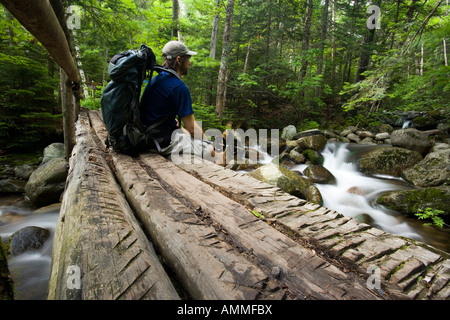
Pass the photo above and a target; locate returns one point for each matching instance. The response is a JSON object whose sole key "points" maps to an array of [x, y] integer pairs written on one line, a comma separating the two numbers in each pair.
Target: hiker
{"points": [[167, 97]]}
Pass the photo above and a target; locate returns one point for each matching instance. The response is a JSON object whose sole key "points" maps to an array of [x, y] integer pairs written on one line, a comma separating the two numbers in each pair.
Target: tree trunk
{"points": [[40, 20], [322, 43], [223, 71], [247, 55], [215, 31], [212, 51], [305, 41], [67, 103], [366, 53], [445, 52], [176, 20]]}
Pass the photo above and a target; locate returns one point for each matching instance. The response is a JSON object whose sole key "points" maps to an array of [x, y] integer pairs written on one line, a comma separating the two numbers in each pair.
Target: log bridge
{"points": [[146, 228]]}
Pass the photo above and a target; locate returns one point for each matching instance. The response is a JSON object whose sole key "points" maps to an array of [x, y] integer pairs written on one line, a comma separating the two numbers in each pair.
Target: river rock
{"points": [[411, 201], [382, 136], [312, 194], [314, 156], [349, 130], [433, 170], [12, 186], [353, 137], [28, 238], [314, 142], [52, 151], [24, 171], [283, 178], [385, 127], [307, 133], [411, 139], [319, 174], [387, 160], [296, 156], [365, 134], [47, 182], [6, 282], [288, 132]]}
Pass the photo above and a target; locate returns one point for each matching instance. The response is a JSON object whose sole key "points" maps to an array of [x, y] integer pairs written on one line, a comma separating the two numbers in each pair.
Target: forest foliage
{"points": [[311, 63]]}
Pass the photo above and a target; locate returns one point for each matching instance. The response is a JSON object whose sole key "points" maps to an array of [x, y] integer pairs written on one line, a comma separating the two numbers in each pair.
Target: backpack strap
{"points": [[159, 68]]}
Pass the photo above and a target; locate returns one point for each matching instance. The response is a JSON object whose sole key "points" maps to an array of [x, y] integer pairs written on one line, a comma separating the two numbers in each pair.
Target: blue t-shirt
{"points": [[165, 95]]}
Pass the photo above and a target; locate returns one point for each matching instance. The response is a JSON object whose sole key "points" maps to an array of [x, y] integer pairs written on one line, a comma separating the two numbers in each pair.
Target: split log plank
{"points": [[355, 243], [306, 274], [98, 235], [208, 267]]}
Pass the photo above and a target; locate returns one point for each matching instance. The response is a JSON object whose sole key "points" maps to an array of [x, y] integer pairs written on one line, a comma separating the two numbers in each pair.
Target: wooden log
{"points": [[208, 266], [40, 20], [306, 274], [403, 262], [99, 249]]}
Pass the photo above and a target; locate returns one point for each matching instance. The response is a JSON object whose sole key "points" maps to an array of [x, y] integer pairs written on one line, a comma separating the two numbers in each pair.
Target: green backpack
{"points": [[120, 101]]}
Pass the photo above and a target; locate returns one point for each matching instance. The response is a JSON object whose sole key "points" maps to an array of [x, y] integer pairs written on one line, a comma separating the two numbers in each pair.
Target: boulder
{"points": [[411, 139], [24, 171], [314, 156], [312, 194], [314, 142], [349, 130], [385, 127], [382, 136], [288, 132], [47, 182], [387, 160], [307, 133], [433, 170], [365, 134], [367, 140], [285, 179], [54, 150], [411, 201], [296, 156], [353, 137], [28, 238], [6, 282], [12, 186], [319, 174]]}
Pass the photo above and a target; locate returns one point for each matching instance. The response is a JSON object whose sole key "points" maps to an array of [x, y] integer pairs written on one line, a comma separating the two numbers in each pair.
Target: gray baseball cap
{"points": [[174, 49]]}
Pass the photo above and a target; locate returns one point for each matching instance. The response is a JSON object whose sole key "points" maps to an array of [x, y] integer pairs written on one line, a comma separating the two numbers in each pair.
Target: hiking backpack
{"points": [[120, 101]]}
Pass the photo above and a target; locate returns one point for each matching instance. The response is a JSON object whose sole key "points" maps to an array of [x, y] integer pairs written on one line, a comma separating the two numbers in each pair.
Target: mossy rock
{"points": [[411, 201], [388, 160], [286, 180], [431, 171], [314, 156], [6, 282]]}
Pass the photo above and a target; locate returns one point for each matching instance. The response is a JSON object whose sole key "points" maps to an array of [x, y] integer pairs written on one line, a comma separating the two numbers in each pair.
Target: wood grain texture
{"points": [[409, 269], [98, 233]]}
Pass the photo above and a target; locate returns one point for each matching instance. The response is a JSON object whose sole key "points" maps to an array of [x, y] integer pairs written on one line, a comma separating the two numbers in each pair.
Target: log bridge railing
{"points": [[126, 224]]}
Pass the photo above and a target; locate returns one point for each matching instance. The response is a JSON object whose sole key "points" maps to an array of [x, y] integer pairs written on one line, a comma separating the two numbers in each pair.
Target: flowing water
{"points": [[29, 270], [354, 195]]}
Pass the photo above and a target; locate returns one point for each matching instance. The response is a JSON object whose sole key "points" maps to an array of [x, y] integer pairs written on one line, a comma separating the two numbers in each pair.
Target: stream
{"points": [[29, 270], [354, 195]]}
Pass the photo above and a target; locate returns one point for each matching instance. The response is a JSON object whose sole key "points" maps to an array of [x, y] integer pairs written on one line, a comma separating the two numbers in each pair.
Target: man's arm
{"points": [[192, 127]]}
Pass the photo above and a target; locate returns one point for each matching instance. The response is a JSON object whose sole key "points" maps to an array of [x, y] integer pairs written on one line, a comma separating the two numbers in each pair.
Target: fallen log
{"points": [[206, 265], [99, 250], [306, 274], [403, 263]]}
